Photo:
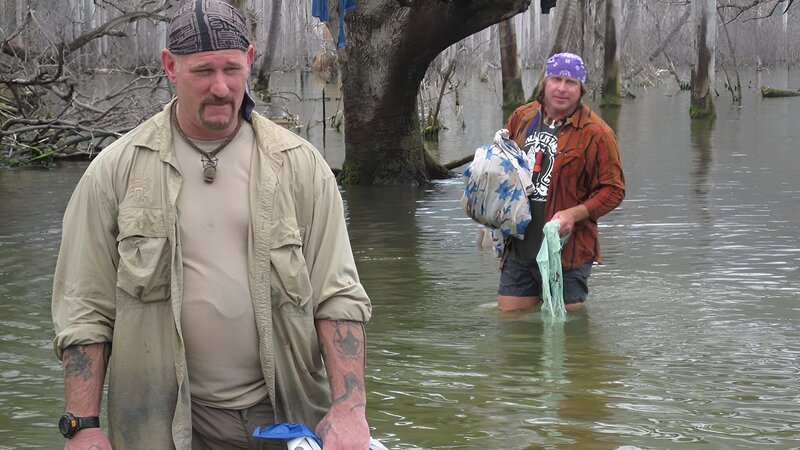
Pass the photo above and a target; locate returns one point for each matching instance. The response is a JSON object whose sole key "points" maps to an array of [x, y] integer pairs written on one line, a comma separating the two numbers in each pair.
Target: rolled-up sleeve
{"points": [[338, 293], [84, 286]]}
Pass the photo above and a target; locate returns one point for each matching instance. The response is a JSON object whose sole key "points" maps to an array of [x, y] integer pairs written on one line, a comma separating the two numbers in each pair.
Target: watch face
{"points": [[67, 425]]}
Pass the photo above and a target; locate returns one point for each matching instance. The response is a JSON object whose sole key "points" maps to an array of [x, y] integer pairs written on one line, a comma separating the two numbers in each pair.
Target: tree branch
{"points": [[41, 77], [107, 28]]}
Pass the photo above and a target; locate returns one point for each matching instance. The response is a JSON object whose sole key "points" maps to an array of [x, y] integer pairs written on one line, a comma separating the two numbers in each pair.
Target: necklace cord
{"points": [[209, 159]]}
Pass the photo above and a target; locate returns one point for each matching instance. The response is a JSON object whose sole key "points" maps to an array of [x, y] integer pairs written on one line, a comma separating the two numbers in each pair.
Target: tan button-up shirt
{"points": [[119, 278]]}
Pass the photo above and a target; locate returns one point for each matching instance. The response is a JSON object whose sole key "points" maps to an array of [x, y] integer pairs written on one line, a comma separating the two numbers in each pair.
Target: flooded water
{"points": [[691, 335]]}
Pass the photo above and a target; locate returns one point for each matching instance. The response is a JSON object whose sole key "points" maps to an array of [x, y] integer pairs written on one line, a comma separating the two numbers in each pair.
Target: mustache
{"points": [[216, 101]]}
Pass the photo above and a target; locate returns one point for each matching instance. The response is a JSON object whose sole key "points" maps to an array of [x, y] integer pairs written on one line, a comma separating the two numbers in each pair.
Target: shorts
{"points": [[524, 280]]}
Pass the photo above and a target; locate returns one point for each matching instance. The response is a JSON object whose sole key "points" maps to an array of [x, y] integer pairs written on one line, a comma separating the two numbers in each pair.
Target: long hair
{"points": [[539, 92]]}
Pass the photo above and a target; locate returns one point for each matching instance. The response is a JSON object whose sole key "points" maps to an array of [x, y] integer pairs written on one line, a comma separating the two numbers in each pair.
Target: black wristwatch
{"points": [[68, 425]]}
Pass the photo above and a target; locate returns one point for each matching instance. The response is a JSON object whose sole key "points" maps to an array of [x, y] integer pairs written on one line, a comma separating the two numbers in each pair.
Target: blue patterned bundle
{"points": [[497, 185]]}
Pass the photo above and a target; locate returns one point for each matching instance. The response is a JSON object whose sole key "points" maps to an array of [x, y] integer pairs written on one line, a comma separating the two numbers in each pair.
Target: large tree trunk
{"points": [[389, 47], [513, 95], [611, 88], [568, 37], [705, 21], [536, 30], [265, 68]]}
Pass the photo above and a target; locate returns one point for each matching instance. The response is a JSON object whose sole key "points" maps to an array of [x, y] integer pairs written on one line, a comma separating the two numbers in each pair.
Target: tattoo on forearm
{"points": [[324, 428], [352, 383], [346, 343], [77, 363]]}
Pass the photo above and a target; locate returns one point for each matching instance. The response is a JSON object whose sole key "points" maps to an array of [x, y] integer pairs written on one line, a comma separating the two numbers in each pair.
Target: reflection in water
{"points": [[700, 186], [701, 141], [689, 338], [611, 115], [568, 383]]}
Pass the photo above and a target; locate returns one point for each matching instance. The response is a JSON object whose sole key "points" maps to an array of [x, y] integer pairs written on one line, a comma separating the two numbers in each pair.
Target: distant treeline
{"points": [[760, 31]]}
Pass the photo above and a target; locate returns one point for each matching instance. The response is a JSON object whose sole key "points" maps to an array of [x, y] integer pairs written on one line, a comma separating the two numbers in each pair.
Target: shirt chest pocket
{"points": [[571, 164], [144, 255]]}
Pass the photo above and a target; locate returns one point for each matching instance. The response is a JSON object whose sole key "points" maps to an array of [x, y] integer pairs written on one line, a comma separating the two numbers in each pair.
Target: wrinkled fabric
{"points": [[299, 437], [119, 278], [549, 261], [587, 171], [319, 9], [345, 6], [497, 185]]}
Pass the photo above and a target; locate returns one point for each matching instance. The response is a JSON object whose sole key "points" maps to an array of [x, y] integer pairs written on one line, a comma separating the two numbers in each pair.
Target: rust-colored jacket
{"points": [[587, 171]]}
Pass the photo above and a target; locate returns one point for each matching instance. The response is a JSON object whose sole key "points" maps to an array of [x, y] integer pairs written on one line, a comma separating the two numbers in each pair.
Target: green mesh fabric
{"points": [[549, 261]]}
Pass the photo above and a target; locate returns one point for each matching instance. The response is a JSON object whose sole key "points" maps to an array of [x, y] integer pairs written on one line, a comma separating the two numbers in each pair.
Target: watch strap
{"points": [[69, 425], [88, 422]]}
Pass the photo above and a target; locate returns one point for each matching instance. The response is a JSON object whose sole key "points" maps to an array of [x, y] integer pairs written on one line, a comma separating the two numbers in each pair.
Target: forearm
{"points": [[84, 374], [569, 217], [343, 345], [578, 213]]}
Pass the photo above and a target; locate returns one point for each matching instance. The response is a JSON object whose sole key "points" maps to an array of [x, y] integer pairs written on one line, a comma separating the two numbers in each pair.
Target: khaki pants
{"points": [[222, 429]]}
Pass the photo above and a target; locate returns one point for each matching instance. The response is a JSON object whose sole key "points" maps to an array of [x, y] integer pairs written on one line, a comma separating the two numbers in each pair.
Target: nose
{"points": [[219, 87]]}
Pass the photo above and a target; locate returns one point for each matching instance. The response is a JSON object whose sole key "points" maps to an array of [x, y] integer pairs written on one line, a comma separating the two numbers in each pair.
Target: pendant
{"points": [[209, 172], [209, 168]]}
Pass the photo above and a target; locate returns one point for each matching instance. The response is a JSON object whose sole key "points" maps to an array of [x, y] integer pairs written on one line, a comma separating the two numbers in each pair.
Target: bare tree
{"points": [[513, 95], [735, 88], [569, 36], [269, 47], [702, 104], [60, 104], [611, 83]]}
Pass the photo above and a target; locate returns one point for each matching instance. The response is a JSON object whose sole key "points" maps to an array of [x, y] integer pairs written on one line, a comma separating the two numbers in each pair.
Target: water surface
{"points": [[690, 339]]}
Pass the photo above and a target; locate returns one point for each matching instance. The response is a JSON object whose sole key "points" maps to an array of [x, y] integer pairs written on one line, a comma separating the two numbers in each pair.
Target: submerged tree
{"points": [[390, 44], [611, 84], [569, 31], [705, 21], [269, 47], [513, 95]]}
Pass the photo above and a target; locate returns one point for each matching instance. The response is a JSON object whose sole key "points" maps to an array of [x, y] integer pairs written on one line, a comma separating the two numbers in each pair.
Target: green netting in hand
{"points": [[549, 261]]}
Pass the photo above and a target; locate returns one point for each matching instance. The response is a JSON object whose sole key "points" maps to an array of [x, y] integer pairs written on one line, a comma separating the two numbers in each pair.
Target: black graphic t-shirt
{"points": [[541, 145]]}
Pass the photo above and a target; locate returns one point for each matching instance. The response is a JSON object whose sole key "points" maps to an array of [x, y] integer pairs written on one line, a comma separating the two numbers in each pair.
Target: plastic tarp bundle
{"points": [[549, 261], [497, 185], [299, 437]]}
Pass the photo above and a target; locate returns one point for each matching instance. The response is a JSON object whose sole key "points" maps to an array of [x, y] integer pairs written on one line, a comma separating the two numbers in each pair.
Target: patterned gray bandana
{"points": [[206, 25]]}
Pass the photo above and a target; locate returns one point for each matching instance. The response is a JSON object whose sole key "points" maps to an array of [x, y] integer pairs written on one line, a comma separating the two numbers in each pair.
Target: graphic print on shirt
{"points": [[542, 147]]}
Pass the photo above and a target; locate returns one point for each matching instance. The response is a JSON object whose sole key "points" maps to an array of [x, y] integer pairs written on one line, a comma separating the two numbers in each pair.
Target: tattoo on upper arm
{"points": [[77, 363], [348, 344]]}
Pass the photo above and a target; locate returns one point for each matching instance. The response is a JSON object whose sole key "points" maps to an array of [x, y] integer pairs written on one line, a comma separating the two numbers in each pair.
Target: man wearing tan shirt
{"points": [[209, 246]]}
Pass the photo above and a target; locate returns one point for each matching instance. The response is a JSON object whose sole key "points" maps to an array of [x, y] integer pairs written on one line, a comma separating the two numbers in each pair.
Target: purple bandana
{"points": [[566, 64], [206, 25]]}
